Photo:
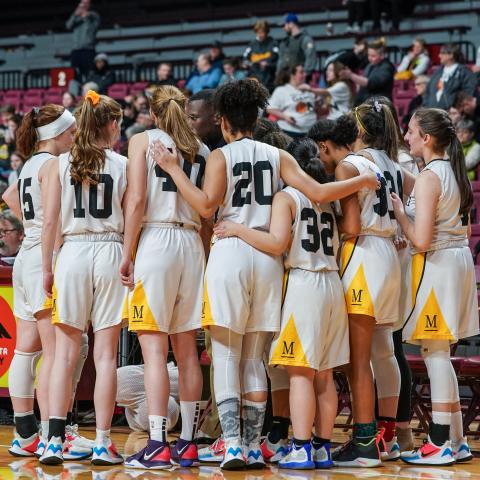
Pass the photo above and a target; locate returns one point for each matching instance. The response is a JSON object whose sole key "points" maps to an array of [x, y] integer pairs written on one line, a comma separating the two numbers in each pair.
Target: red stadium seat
{"points": [[118, 91], [53, 95], [476, 185], [138, 87], [33, 97], [13, 97], [402, 105]]}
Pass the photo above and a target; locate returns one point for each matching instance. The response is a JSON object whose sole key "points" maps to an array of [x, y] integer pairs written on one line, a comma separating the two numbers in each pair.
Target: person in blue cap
{"points": [[297, 48]]}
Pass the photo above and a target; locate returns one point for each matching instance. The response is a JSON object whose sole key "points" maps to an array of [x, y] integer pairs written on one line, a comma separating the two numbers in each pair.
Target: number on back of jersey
{"points": [[99, 198], [253, 181], [318, 234], [388, 186]]}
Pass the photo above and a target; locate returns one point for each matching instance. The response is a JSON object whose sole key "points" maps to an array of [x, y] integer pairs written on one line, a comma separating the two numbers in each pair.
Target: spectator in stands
{"points": [[89, 86], [415, 62], [69, 101], [455, 115], [11, 234], [232, 72], [142, 122], [471, 148], [469, 106], [355, 59], [17, 161], [298, 48], [294, 109], [339, 93], [356, 14], [207, 76], [261, 55], [7, 111], [451, 78], [102, 74], [11, 133], [377, 79], [84, 23], [140, 103], [216, 54], [421, 83], [203, 120], [164, 75]]}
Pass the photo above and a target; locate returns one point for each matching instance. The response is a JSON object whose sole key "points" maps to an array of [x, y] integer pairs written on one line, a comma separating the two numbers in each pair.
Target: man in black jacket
{"points": [[377, 79], [102, 74], [261, 54]]}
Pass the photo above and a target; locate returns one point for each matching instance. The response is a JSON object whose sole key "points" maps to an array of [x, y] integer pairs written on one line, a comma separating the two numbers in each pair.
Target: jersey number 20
{"points": [[257, 173]]}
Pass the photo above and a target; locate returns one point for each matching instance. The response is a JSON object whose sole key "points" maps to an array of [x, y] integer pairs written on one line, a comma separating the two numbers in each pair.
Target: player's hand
{"points": [[126, 273], [48, 283], [225, 229], [164, 157], [400, 243], [371, 180], [397, 204]]}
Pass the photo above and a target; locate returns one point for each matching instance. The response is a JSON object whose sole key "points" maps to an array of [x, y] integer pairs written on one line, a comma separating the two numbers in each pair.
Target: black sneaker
{"points": [[358, 453]]}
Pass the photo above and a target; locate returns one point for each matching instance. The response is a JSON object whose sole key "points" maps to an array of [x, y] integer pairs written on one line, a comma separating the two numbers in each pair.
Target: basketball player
{"points": [[313, 335], [44, 133], [86, 188], [242, 293], [441, 302], [368, 230], [167, 279]]}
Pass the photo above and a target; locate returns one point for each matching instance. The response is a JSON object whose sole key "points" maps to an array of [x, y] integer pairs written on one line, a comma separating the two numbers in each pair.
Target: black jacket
{"points": [[380, 81], [257, 52]]}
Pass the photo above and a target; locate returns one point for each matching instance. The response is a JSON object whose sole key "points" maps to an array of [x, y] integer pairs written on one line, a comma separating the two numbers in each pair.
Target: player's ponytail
{"points": [[88, 153], [437, 124], [27, 136], [306, 152], [168, 106]]}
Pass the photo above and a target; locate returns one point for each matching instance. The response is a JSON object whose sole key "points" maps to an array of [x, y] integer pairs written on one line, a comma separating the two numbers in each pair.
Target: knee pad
{"points": [[254, 377], [384, 363], [21, 378], [82, 357], [278, 379], [443, 380]]}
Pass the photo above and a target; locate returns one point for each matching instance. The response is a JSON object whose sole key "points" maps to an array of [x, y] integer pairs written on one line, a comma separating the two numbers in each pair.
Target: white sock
{"points": [[190, 412], [44, 424], [456, 427], [158, 428], [23, 414], [102, 436], [441, 418]]}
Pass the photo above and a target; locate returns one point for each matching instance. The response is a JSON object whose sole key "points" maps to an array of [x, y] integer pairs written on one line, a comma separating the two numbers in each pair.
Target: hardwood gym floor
{"points": [[15, 469]]}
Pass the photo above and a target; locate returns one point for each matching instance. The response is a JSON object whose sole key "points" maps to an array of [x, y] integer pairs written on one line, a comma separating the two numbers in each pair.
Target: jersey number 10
{"points": [[93, 209]]}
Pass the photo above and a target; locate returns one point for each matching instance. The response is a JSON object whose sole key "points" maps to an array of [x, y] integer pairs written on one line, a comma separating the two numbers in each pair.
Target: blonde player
{"points": [[243, 285], [441, 304], [86, 188], [167, 277], [44, 133], [313, 336]]}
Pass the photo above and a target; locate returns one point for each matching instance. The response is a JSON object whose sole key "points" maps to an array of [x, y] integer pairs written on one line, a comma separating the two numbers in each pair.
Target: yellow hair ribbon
{"points": [[359, 120], [93, 96]]}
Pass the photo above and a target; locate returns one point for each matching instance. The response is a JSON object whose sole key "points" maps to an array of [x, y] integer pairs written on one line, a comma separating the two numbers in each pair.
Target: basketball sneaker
{"points": [[390, 451], [253, 456], [233, 458], [298, 458], [24, 447], [73, 436], [321, 456], [184, 453], [42, 443], [430, 454], [461, 451], [213, 453], [155, 456], [105, 453], [52, 454], [358, 453], [75, 446], [274, 452]]}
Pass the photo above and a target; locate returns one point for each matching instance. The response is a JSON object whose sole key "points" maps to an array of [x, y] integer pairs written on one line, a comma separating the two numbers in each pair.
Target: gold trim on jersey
{"points": [[286, 276], [431, 323], [140, 316], [357, 296], [53, 304], [289, 349], [418, 264], [207, 318], [348, 248]]}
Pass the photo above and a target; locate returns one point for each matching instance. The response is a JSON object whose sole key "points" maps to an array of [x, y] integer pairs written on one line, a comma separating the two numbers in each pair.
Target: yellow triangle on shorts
{"points": [[430, 323], [139, 313], [52, 303], [289, 349], [358, 297], [207, 318]]}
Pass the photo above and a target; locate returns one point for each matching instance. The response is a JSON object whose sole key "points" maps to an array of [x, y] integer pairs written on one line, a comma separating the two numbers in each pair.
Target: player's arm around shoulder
{"points": [[350, 222]]}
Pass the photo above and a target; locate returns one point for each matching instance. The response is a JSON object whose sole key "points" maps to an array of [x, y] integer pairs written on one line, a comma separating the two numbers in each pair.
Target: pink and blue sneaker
{"points": [[185, 454], [155, 456]]}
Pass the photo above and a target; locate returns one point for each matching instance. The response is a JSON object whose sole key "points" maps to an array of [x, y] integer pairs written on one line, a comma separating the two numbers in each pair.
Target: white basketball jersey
{"points": [[315, 241], [31, 197], [450, 228], [93, 208], [253, 177], [376, 209], [164, 203]]}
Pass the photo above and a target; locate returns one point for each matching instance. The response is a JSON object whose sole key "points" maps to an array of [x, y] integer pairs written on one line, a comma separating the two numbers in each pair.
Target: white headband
{"points": [[58, 126]]}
